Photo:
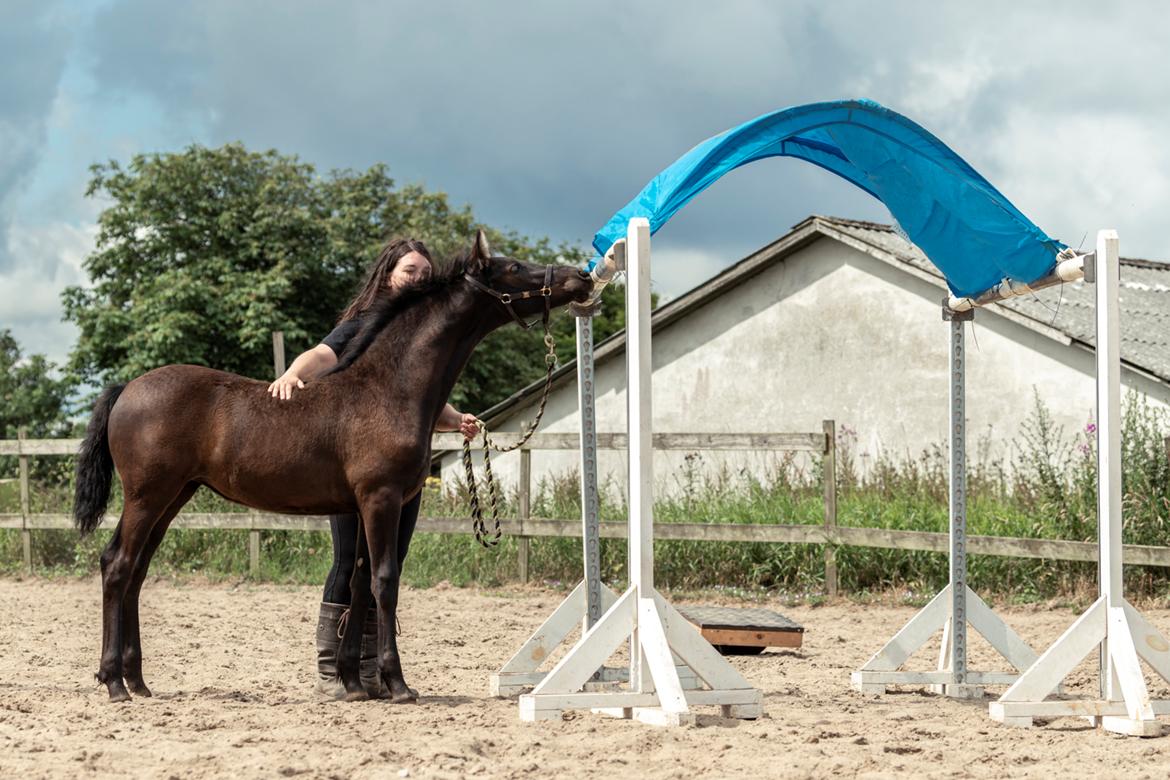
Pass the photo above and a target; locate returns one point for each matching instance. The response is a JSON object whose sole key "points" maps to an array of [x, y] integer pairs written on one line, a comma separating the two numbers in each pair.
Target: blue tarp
{"points": [[970, 231]]}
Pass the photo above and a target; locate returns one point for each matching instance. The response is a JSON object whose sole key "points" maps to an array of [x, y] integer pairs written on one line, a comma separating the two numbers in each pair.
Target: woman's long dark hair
{"points": [[375, 284]]}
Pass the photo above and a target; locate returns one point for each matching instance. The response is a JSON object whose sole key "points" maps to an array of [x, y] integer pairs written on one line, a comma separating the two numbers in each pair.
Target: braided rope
{"points": [[550, 361], [486, 539]]}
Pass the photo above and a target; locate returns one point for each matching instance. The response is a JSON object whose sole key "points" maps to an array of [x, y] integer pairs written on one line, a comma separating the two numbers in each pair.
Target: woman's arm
{"points": [[308, 366], [452, 420]]}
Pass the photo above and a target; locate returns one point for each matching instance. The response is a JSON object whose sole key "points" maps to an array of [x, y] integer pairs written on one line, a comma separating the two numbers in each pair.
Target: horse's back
{"points": [[176, 390], [226, 431], [170, 412]]}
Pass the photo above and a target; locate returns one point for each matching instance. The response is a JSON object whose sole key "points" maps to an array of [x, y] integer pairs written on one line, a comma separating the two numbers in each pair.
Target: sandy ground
{"points": [[232, 666]]}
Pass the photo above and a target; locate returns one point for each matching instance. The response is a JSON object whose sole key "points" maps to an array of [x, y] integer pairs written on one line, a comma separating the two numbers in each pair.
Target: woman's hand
{"points": [[308, 365], [283, 388], [468, 426], [450, 419]]}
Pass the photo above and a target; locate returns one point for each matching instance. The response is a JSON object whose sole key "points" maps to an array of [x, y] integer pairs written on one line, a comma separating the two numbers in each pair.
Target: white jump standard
{"points": [[659, 637], [956, 605], [1111, 623], [585, 604], [591, 597]]}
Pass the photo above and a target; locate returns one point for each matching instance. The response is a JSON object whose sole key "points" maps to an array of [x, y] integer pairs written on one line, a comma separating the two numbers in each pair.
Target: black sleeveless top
{"points": [[340, 336]]}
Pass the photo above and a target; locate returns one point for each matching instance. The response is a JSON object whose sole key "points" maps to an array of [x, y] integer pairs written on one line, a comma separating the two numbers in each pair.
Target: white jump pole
{"points": [[1111, 623], [661, 639], [956, 605]]}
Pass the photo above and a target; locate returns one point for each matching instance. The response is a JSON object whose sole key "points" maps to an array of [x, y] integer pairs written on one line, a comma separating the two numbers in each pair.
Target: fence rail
{"points": [[525, 527]]}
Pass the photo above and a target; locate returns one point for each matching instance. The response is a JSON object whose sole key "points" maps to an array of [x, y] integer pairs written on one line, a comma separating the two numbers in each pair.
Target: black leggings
{"points": [[344, 529]]}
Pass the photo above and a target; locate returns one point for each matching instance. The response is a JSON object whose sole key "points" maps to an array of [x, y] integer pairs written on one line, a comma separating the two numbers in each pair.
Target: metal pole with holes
{"points": [[590, 509], [958, 499]]}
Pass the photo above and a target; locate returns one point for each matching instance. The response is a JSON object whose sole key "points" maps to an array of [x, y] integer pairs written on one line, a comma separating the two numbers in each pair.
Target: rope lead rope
{"points": [[482, 535]]}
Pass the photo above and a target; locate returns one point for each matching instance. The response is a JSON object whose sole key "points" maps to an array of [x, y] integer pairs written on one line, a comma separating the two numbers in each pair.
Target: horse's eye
{"points": [[514, 268]]}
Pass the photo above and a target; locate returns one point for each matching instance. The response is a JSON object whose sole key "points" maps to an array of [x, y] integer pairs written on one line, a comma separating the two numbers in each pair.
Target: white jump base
{"points": [[522, 671], [884, 668]]}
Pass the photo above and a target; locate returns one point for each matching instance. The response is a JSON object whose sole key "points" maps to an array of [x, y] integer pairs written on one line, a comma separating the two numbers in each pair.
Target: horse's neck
{"points": [[433, 342]]}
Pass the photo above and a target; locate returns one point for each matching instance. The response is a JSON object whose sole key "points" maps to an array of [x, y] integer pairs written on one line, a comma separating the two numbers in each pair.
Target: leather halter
{"points": [[507, 298]]}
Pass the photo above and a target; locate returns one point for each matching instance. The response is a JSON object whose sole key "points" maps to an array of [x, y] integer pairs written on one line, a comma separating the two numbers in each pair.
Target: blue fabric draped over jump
{"points": [[967, 228]]}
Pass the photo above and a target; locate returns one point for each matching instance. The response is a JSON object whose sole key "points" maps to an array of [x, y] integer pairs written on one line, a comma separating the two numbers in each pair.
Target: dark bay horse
{"points": [[355, 440]]}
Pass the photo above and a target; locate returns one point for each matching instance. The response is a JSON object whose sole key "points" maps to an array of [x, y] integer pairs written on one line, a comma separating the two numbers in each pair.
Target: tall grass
{"points": [[1045, 489]]}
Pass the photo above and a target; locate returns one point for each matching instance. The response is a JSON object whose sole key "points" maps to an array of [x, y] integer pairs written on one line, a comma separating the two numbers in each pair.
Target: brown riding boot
{"points": [[328, 642]]}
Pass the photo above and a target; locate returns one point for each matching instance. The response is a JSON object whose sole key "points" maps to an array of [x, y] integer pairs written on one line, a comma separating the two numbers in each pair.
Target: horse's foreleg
{"points": [[381, 512], [349, 651], [131, 636]]}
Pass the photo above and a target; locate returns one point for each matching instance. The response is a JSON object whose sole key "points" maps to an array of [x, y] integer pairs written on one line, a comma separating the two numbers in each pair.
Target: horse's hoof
{"points": [[138, 688], [378, 693], [118, 692], [357, 695], [409, 696]]}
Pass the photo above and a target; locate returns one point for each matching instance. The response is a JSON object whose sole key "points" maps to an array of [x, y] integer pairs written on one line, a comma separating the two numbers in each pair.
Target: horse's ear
{"points": [[480, 251]]}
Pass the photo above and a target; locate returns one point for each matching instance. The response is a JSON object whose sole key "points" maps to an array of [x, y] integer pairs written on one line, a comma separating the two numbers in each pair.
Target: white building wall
{"points": [[830, 332]]}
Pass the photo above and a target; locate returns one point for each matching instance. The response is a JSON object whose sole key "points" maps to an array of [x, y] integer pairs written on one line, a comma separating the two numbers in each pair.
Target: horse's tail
{"points": [[95, 465]]}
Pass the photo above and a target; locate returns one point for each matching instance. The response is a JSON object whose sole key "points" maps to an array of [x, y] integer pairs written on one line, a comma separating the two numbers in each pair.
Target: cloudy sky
{"points": [[547, 117]]}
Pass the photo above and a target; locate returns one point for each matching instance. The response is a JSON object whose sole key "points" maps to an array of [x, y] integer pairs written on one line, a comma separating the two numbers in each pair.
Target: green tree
{"points": [[202, 254], [30, 397]]}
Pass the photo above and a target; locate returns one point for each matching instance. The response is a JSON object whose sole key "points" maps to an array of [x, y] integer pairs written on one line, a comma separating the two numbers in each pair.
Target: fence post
{"points": [[278, 352], [254, 551], [25, 533], [522, 541], [829, 479]]}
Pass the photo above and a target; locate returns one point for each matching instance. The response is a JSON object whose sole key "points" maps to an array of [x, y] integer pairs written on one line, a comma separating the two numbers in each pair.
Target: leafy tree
{"points": [[202, 254], [30, 397]]}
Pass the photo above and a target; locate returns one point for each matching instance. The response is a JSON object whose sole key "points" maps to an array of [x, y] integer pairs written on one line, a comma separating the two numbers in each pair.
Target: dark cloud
{"points": [[33, 45], [549, 116], [546, 118]]}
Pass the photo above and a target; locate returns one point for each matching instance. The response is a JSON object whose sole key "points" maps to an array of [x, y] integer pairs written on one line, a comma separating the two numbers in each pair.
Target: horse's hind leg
{"points": [[131, 638], [107, 559], [140, 515]]}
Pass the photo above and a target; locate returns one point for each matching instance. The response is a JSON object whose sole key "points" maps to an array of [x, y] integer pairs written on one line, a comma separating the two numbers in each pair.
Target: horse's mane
{"points": [[387, 308]]}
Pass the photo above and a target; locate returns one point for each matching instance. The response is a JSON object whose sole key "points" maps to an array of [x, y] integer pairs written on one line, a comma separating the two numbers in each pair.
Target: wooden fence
{"points": [[525, 527]]}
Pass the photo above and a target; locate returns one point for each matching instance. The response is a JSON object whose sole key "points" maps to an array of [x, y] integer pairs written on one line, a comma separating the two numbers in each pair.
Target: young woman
{"points": [[401, 263]]}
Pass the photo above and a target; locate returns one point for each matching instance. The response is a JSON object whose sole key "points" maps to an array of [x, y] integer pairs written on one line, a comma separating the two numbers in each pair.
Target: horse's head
{"points": [[524, 289]]}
